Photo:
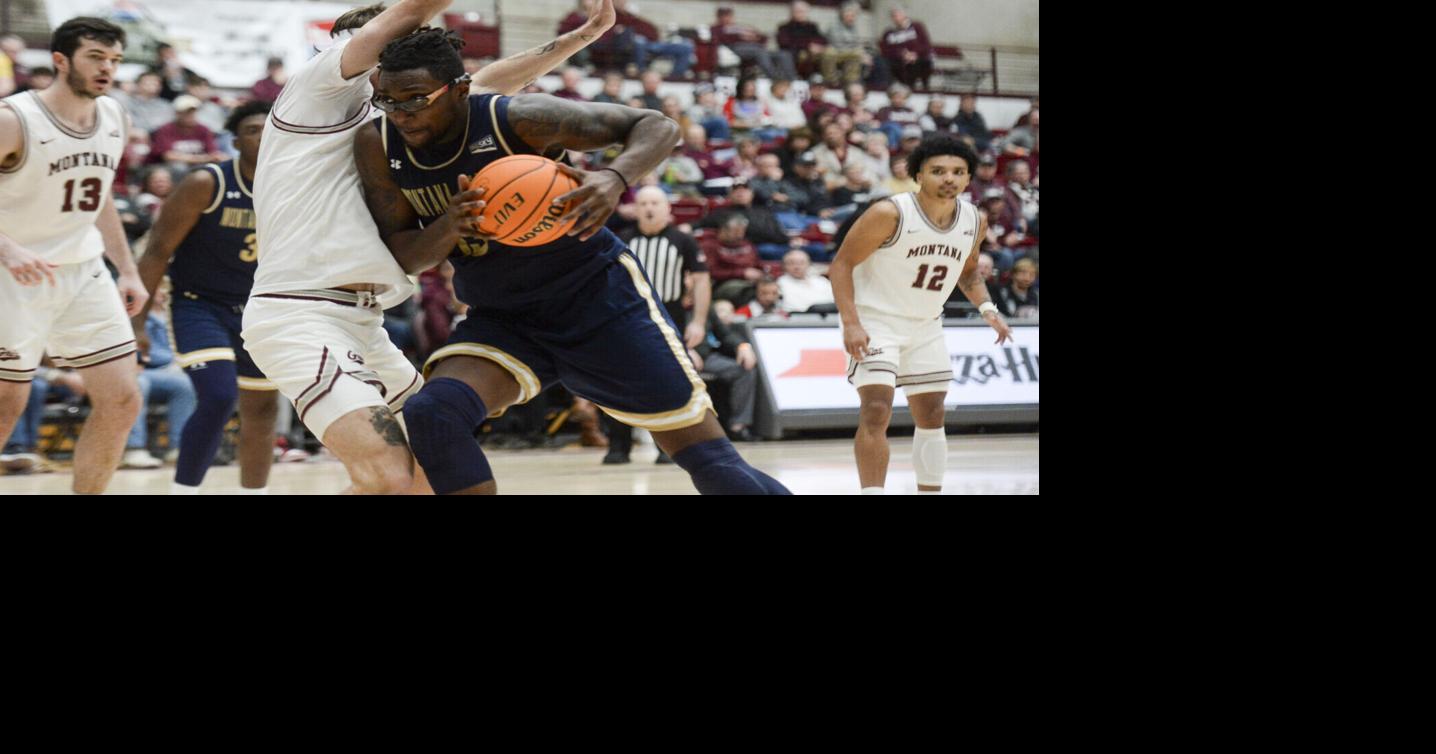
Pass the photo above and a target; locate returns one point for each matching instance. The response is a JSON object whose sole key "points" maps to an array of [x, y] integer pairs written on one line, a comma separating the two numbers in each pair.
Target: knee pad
{"points": [[929, 455], [717, 469], [442, 418]]}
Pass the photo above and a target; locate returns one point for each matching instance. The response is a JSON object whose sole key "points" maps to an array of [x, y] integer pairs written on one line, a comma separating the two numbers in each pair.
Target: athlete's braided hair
{"points": [[433, 49], [257, 107]]}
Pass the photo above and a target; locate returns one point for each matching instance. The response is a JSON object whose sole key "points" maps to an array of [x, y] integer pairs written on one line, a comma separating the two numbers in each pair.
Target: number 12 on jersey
{"points": [[939, 274]]}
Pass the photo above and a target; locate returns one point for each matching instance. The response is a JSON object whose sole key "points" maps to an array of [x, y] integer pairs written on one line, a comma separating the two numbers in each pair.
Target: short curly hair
{"points": [[258, 107], [937, 145], [432, 49]]}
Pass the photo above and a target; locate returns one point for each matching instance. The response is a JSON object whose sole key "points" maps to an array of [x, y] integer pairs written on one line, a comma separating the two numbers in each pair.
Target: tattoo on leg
{"points": [[387, 427]]}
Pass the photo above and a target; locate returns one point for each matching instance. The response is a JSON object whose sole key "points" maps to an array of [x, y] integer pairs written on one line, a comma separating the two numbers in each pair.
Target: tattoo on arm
{"points": [[542, 121], [387, 426], [546, 49]]}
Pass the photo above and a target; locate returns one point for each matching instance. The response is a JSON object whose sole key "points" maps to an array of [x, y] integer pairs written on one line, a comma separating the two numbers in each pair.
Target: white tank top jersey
{"points": [[314, 229], [50, 199], [912, 274]]}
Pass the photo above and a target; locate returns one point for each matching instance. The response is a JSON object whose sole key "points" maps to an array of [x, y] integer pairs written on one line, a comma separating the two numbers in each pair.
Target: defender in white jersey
{"points": [[314, 321], [891, 277], [59, 150]]}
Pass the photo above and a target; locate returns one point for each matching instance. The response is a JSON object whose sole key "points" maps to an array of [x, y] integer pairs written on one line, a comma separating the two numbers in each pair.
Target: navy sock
{"points": [[442, 418], [717, 469], [216, 391]]}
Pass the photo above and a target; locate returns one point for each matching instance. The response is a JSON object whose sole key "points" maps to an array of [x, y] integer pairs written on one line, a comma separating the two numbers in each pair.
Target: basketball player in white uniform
{"points": [[58, 153], [891, 277], [314, 321]]}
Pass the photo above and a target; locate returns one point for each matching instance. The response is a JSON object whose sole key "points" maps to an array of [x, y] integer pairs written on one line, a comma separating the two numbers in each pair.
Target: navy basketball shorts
{"points": [[610, 341], [202, 331]]}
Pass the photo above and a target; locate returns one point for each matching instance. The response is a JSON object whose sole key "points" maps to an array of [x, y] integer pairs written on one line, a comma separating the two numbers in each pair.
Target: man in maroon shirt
{"points": [[815, 103], [695, 147], [268, 88], [185, 143], [802, 38], [751, 46], [732, 261], [908, 49], [570, 76]]}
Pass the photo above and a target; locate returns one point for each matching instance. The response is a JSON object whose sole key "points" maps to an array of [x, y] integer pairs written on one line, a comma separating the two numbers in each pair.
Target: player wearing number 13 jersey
{"points": [[892, 275], [59, 150], [206, 240]]}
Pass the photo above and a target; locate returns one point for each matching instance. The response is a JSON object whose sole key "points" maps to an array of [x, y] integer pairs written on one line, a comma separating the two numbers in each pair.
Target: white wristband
{"points": [[987, 306]]}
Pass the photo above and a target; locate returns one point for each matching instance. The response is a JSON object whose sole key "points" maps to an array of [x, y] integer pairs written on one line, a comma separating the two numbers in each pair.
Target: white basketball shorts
{"points": [[328, 353], [905, 353], [80, 321]]}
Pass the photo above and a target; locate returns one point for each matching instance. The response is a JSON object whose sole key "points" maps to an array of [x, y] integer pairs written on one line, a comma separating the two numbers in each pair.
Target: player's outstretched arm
{"points": [[414, 249], [872, 229], [545, 122], [513, 73], [362, 53], [178, 217], [975, 289]]}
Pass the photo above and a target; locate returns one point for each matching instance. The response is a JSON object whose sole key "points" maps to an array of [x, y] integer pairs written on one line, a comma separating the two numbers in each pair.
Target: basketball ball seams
{"points": [[541, 224], [523, 225], [506, 184]]}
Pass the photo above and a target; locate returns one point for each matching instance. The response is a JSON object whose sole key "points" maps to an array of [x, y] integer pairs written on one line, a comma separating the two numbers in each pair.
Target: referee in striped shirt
{"points": [[669, 256]]}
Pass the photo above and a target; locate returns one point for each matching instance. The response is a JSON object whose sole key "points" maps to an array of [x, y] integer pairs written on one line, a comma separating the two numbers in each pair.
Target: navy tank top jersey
{"points": [[216, 261], [488, 274]]}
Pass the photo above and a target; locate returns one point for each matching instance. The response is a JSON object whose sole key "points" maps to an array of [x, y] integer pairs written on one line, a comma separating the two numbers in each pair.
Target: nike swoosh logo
{"points": [[95, 275], [916, 231], [43, 142], [115, 134]]}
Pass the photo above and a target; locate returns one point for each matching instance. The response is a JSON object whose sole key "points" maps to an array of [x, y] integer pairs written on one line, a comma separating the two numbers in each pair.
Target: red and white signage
{"points": [[807, 369]]}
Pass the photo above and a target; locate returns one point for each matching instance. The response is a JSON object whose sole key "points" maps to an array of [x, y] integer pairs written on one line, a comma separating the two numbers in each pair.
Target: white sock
{"points": [[256, 491], [182, 489], [929, 455], [874, 491]]}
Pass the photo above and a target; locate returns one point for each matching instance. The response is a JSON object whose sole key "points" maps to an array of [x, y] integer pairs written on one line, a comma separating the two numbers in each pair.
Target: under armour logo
{"points": [[395, 164], [354, 357], [232, 194], [8, 355]]}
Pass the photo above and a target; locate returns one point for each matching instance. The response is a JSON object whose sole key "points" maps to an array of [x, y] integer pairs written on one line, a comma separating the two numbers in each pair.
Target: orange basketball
{"points": [[519, 207]]}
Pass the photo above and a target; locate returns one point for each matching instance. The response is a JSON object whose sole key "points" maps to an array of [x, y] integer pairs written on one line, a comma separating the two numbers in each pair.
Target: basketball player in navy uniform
{"points": [[578, 310], [895, 269], [208, 228]]}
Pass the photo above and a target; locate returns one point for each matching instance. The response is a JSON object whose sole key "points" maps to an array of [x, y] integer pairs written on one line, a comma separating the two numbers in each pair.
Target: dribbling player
{"points": [[59, 150], [313, 323], [578, 310], [892, 275]]}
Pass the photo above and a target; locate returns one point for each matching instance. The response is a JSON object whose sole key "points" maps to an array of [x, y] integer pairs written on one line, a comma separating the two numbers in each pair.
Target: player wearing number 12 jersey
{"points": [[892, 275], [208, 228], [59, 150]]}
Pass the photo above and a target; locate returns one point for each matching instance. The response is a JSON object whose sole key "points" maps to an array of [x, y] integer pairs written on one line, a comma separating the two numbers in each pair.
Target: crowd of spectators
{"points": [[760, 186]]}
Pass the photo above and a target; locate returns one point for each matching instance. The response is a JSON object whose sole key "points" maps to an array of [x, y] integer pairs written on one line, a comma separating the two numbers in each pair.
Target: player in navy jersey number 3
{"points": [[208, 228], [579, 310]]}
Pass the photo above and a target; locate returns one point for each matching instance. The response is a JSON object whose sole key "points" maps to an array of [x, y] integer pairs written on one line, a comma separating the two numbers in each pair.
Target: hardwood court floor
{"points": [[977, 465]]}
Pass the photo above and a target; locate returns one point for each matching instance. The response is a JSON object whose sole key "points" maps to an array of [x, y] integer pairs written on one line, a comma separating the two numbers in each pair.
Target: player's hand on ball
{"points": [[1000, 325], [26, 266], [466, 210], [855, 341], [592, 202], [133, 293]]}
